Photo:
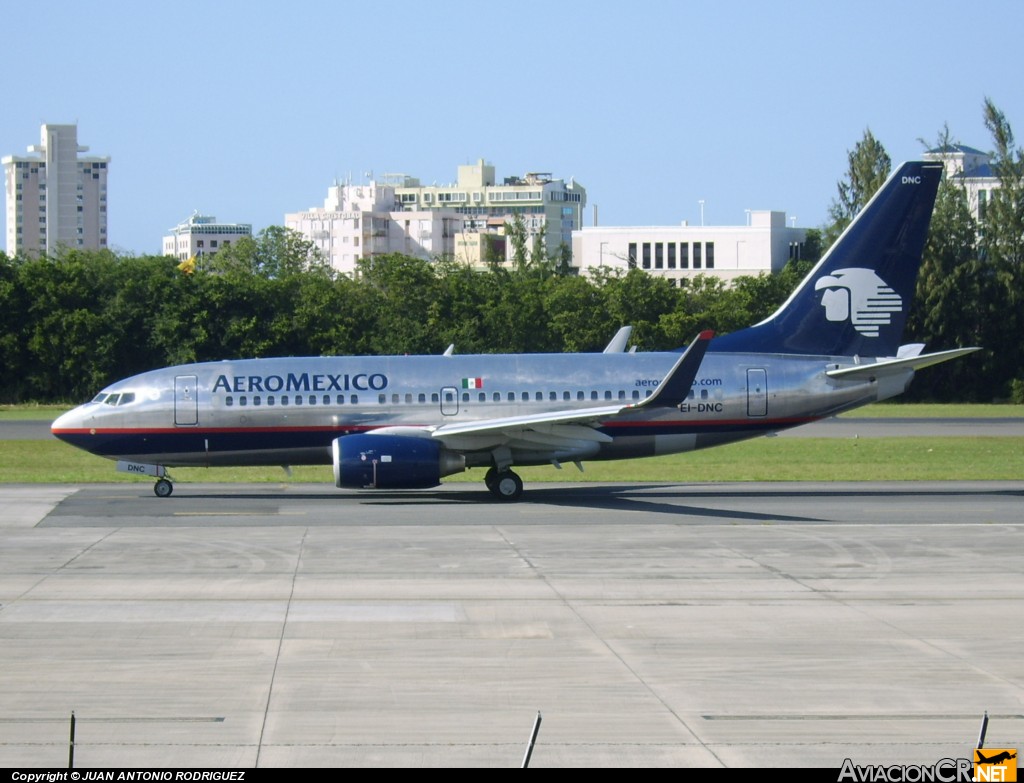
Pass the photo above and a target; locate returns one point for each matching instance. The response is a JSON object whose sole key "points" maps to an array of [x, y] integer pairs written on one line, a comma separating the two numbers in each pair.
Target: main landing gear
{"points": [[504, 484]]}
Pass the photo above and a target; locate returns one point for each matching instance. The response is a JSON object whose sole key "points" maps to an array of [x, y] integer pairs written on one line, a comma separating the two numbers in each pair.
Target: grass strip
{"points": [[762, 459]]}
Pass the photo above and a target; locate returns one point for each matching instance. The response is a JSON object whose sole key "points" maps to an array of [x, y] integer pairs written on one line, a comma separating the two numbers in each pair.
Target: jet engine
{"points": [[392, 462]]}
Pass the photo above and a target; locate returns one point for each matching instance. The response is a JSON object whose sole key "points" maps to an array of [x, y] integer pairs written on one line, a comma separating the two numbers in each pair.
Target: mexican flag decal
{"points": [[472, 383]]}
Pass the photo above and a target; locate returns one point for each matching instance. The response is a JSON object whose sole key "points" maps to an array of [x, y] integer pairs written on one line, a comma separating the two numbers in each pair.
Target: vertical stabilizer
{"points": [[856, 300]]}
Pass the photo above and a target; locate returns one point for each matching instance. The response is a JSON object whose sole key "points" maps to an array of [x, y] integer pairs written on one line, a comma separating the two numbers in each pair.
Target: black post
{"points": [[533, 740], [71, 743], [984, 728]]}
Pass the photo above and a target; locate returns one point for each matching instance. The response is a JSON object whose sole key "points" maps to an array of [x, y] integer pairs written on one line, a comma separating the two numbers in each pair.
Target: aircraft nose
{"points": [[65, 424]]}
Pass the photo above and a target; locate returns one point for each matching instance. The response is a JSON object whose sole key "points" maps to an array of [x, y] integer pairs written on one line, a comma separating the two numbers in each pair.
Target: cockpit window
{"points": [[121, 398]]}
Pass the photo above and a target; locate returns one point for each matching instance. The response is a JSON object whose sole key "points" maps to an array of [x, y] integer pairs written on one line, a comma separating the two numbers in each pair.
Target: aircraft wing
{"points": [[886, 367], [577, 423]]}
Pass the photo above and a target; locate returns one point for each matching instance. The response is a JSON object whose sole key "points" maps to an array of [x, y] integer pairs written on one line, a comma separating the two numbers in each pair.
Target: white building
{"points": [[362, 221], [550, 207], [972, 170], [202, 235], [56, 198], [675, 252]]}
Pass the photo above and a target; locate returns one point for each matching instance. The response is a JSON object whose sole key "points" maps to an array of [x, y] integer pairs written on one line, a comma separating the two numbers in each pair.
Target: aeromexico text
{"points": [[301, 382]]}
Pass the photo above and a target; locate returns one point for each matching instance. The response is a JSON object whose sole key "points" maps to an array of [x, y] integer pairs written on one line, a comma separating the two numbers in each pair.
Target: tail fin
{"points": [[855, 301]]}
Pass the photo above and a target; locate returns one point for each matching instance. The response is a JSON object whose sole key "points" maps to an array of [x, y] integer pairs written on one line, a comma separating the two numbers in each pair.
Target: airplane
{"points": [[996, 759], [405, 422]]}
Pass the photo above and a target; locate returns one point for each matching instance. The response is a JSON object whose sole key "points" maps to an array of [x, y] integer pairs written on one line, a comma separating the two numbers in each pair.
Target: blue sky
{"points": [[250, 110]]}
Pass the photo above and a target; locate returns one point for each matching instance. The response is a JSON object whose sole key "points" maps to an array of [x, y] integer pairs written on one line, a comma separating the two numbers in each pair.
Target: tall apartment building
{"points": [[202, 235], [56, 198]]}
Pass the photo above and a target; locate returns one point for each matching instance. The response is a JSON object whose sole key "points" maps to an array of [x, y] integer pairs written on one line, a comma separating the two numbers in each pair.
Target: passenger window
{"points": [[622, 394], [256, 400], [703, 394], [243, 400], [593, 395], [539, 397], [580, 395], [511, 396], [340, 399], [553, 396], [408, 398], [607, 395], [636, 394], [394, 399], [229, 401], [496, 396], [422, 398], [284, 399], [298, 399], [434, 397], [270, 399], [566, 396], [354, 399], [327, 399], [382, 399], [465, 396]]}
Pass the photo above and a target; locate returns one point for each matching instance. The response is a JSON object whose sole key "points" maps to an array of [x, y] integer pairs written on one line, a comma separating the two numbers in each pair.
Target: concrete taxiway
{"points": [[712, 625]]}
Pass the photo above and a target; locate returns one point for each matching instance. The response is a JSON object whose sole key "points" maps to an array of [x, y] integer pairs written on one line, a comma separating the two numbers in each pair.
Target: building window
{"points": [[647, 255], [982, 205], [709, 255], [632, 255], [696, 255], [684, 255], [659, 255], [671, 255]]}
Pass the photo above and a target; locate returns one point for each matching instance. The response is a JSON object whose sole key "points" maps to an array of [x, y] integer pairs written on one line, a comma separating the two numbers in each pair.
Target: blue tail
{"points": [[855, 301]]}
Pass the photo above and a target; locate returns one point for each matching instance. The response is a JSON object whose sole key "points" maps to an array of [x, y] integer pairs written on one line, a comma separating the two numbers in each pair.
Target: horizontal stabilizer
{"points": [[892, 366]]}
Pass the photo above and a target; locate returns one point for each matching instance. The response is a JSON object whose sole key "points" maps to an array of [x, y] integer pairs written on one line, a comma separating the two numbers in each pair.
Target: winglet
{"points": [[619, 341], [676, 385]]}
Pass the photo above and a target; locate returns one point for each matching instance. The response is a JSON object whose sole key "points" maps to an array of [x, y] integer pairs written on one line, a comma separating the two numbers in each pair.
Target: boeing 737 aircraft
{"points": [[404, 422]]}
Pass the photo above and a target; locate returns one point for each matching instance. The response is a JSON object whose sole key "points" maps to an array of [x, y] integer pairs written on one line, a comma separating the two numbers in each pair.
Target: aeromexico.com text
{"points": [[301, 382]]}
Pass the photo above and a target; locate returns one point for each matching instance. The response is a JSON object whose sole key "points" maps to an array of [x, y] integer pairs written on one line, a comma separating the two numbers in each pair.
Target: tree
{"points": [[516, 233], [1002, 239], [869, 166], [275, 252]]}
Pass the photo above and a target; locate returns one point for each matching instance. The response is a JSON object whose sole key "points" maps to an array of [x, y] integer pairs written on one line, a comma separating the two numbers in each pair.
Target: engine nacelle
{"points": [[392, 462]]}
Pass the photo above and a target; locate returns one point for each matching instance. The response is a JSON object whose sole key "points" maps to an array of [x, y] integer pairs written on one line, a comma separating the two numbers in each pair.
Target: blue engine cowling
{"points": [[392, 462]]}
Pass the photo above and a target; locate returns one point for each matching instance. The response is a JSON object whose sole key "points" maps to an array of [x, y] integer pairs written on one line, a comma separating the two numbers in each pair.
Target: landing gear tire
{"points": [[163, 488], [506, 486], [491, 478]]}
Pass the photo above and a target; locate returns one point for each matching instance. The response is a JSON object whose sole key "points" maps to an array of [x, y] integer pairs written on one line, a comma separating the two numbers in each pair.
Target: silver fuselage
{"points": [[287, 411]]}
